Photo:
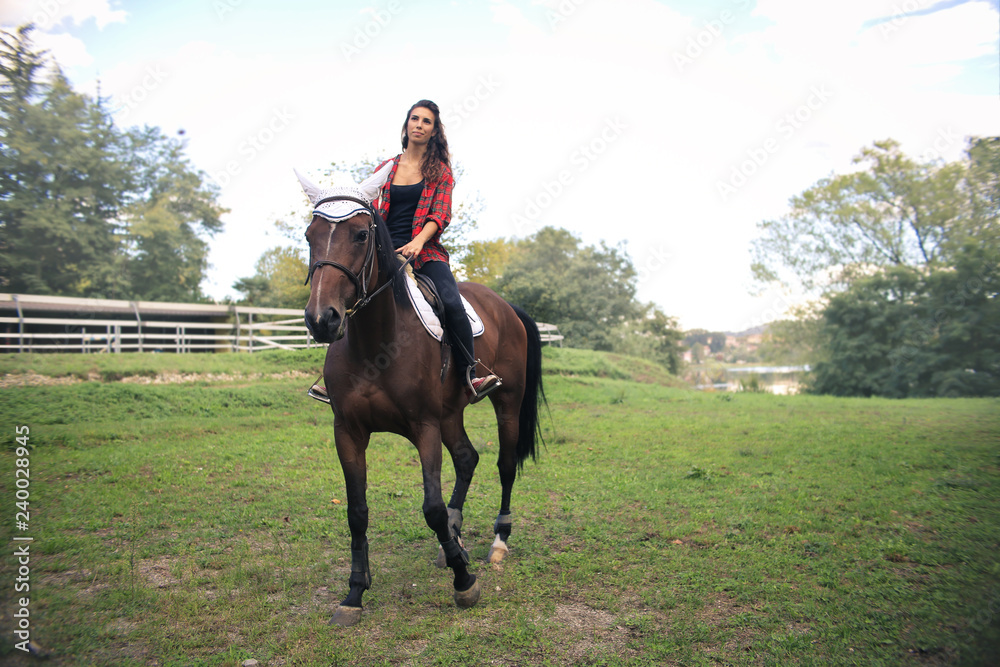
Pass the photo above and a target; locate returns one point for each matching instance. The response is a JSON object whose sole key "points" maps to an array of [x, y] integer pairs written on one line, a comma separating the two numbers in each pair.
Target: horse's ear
{"points": [[372, 185], [313, 191]]}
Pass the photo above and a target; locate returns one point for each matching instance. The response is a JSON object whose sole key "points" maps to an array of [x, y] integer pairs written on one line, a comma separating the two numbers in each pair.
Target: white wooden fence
{"points": [[33, 323]]}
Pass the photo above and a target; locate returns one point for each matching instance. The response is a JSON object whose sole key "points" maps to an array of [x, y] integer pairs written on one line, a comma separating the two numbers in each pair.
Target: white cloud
{"points": [[49, 14], [67, 50]]}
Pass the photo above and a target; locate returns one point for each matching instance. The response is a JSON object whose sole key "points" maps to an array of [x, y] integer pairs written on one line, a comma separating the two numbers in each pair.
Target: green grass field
{"points": [[201, 523]]}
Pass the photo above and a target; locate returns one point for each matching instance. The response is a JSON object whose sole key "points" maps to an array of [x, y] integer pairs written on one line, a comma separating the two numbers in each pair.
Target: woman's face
{"points": [[420, 126]]}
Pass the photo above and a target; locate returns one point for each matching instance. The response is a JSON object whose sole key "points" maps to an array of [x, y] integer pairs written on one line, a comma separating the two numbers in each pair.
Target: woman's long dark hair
{"points": [[437, 148]]}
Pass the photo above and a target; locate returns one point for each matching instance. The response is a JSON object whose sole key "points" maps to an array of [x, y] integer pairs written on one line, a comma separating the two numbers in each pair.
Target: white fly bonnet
{"points": [[340, 210]]}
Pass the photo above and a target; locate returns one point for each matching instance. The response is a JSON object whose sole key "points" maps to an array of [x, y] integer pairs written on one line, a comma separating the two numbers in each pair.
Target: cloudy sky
{"points": [[669, 128]]}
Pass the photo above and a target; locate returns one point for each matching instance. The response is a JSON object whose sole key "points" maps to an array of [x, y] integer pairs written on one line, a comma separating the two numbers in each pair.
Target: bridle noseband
{"points": [[360, 279]]}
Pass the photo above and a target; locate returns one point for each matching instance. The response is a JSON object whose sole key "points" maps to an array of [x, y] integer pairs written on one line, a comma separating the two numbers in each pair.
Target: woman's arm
{"points": [[440, 209], [413, 248]]}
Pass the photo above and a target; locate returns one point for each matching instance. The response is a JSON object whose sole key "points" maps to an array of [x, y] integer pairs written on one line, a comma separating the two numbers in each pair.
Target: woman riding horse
{"points": [[382, 371], [415, 203]]}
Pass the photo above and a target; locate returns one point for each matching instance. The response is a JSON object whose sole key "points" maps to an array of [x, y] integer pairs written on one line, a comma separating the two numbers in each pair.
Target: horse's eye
{"points": [[362, 236]]}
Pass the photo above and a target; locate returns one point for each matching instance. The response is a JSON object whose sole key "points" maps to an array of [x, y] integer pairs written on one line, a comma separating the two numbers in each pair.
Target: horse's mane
{"points": [[388, 263]]}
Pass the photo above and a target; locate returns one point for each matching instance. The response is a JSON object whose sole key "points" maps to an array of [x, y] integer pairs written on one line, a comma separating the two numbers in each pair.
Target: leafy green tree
{"points": [[654, 335], [792, 342], [894, 248], [87, 209], [903, 333], [172, 208], [278, 280], [895, 212], [692, 336], [61, 182], [486, 261], [982, 188], [586, 291]]}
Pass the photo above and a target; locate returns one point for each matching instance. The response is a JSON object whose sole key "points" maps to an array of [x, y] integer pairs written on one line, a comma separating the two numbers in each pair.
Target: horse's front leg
{"points": [[467, 587], [351, 451]]}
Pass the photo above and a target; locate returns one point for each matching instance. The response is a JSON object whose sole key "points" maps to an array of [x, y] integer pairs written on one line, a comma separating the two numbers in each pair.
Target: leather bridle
{"points": [[362, 278]]}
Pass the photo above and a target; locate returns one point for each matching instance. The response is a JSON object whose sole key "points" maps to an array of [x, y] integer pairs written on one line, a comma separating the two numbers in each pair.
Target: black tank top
{"points": [[403, 200]]}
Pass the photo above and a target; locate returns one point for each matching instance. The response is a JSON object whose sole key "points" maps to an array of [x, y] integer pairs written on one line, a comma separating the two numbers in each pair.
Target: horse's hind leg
{"points": [[507, 423], [465, 459]]}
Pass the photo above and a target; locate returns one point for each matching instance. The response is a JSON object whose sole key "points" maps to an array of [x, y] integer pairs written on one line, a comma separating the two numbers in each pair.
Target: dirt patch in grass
{"points": [[156, 572], [85, 582], [36, 380], [31, 379]]}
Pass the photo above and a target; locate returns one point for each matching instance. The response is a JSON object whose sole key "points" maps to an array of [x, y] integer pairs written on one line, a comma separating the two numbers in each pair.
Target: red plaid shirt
{"points": [[434, 205]]}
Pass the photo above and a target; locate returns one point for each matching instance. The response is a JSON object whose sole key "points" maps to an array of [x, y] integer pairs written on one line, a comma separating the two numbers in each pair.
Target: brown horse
{"points": [[384, 373]]}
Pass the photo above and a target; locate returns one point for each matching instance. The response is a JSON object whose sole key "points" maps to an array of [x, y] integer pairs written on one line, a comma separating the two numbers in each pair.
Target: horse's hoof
{"points": [[345, 617], [498, 550], [469, 598], [497, 555]]}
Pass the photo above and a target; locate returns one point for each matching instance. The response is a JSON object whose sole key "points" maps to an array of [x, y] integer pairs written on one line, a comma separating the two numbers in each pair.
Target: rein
{"points": [[361, 278]]}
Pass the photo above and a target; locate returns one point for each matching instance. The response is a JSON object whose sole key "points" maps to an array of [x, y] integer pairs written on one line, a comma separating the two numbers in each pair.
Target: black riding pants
{"points": [[456, 321]]}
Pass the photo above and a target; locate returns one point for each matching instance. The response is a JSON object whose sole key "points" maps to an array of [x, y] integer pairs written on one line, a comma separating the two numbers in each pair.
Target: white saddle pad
{"points": [[427, 316]]}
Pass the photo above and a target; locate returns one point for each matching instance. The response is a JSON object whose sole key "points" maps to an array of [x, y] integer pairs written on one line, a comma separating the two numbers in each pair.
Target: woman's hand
{"points": [[411, 249]]}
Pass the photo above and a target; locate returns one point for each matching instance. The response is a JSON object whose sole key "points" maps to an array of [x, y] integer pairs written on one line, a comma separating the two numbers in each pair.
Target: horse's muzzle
{"points": [[328, 327]]}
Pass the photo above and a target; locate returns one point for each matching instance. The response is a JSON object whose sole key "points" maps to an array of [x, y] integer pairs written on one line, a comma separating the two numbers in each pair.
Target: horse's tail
{"points": [[530, 431]]}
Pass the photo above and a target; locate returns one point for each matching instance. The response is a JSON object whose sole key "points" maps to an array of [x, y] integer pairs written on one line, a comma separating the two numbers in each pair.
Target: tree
{"points": [[486, 261], [87, 209], [981, 187], [172, 207], [587, 292], [278, 281], [717, 343], [654, 335], [893, 249], [792, 342], [902, 334], [896, 212], [60, 179], [692, 336]]}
